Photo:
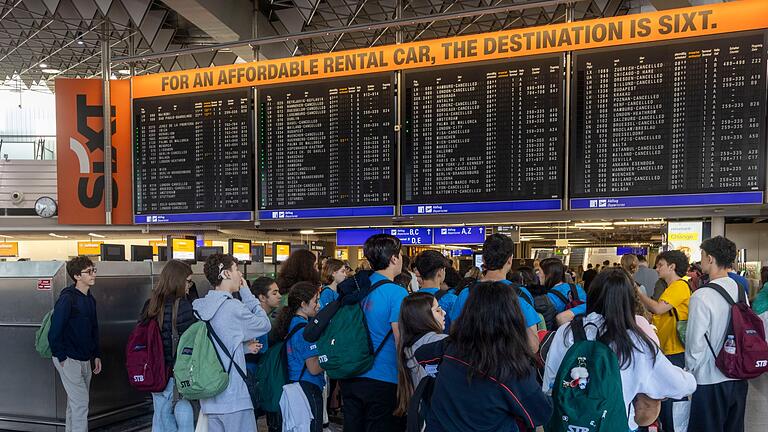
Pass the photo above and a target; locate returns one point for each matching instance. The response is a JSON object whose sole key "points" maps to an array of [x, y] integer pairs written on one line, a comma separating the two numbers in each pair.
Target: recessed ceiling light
{"points": [[96, 235], [43, 65], [307, 232], [6, 236], [124, 71], [51, 71], [79, 42], [57, 235]]}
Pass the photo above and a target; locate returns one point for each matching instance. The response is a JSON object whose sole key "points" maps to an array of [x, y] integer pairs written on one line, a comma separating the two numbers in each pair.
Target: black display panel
{"points": [[679, 118], [193, 157], [327, 148], [485, 132]]}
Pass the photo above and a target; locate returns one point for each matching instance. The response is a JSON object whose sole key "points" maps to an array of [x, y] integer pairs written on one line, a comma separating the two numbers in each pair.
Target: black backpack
{"points": [[544, 305]]}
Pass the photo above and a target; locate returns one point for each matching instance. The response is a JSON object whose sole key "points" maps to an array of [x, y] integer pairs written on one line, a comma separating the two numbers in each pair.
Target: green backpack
{"points": [[199, 371], [42, 345], [272, 373], [594, 404]]}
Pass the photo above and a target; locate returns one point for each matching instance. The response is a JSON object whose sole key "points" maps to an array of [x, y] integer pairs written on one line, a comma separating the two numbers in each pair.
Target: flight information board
{"points": [[673, 124], [327, 149], [485, 137], [193, 158]]}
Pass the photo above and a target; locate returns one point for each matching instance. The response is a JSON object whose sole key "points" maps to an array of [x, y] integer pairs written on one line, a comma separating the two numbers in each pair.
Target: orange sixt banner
{"points": [[80, 151], [651, 27]]}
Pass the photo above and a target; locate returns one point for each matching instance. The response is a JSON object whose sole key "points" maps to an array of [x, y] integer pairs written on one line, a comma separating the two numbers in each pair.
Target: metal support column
{"points": [[105, 75], [399, 94], [132, 51], [567, 59], [255, 30], [718, 226]]}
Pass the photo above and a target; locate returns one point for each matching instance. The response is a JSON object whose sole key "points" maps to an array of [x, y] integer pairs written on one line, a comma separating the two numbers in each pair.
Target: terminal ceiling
{"points": [[41, 40]]}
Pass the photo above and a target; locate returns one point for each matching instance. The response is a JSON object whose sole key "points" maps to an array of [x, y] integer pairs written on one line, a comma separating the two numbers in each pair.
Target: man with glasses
{"points": [[74, 340]]}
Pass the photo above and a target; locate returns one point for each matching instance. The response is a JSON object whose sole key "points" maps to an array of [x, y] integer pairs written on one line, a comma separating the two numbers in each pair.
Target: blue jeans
{"points": [[168, 418]]}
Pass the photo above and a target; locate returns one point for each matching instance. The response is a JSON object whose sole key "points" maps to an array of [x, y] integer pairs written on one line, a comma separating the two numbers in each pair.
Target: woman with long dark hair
{"points": [[421, 322], [303, 364], [611, 320], [486, 378], [299, 267], [555, 280], [170, 293]]}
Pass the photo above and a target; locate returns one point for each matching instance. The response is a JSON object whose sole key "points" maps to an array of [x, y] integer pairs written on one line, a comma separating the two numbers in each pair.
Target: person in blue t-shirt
{"points": [[371, 398], [268, 294], [740, 280], [497, 259], [432, 267], [332, 274], [303, 364], [554, 280]]}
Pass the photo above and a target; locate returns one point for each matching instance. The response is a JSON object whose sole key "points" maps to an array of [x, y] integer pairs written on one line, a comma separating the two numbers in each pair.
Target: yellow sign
{"points": [[183, 249], [241, 251], [342, 254], [89, 248], [208, 243], [9, 249], [614, 31], [282, 251], [155, 244]]}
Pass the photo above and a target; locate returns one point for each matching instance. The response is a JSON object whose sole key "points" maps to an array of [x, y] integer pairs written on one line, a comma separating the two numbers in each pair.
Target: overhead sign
{"points": [[622, 30], [686, 237], [355, 237], [89, 247], [412, 236], [80, 151], [9, 249], [460, 235]]}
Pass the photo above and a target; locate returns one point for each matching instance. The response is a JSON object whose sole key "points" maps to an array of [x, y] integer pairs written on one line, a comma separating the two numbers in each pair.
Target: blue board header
{"points": [[728, 198], [482, 207], [355, 237], [415, 235], [193, 217], [317, 213]]}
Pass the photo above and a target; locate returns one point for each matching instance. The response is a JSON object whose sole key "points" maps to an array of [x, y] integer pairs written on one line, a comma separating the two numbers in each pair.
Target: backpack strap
{"points": [[440, 293], [559, 295], [521, 294], [727, 297], [577, 327], [174, 328], [574, 292], [226, 351]]}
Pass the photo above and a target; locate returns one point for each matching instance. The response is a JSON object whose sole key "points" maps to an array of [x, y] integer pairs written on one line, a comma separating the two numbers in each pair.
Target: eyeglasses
{"points": [[91, 271]]}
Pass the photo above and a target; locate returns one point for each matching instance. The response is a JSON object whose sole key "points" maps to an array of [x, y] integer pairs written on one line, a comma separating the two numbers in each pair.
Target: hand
{"points": [[97, 366], [254, 347]]}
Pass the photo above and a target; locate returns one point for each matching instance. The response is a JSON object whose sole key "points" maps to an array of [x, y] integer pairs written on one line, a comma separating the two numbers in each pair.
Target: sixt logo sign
{"points": [[91, 194]]}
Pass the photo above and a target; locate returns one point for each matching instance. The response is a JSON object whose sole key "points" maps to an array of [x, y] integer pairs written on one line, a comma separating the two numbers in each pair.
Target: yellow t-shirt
{"points": [[677, 295]]}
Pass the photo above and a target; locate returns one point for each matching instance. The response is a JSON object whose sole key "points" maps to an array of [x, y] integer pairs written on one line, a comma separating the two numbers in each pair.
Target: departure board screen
{"points": [[684, 121], [193, 157], [486, 137], [327, 149]]}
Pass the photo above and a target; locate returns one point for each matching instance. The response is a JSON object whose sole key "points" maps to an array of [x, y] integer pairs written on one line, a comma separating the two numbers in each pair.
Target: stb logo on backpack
{"points": [[577, 429]]}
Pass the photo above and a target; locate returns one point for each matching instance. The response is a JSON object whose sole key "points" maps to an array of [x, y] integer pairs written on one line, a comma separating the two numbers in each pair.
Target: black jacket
{"points": [[481, 404], [74, 331], [184, 319]]}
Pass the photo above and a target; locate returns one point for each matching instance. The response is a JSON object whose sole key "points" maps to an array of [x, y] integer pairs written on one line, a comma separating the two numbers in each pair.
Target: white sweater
{"points": [[708, 314], [658, 378]]}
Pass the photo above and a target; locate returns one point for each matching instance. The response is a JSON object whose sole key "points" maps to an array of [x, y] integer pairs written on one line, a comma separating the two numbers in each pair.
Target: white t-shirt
{"points": [[708, 315], [658, 378]]}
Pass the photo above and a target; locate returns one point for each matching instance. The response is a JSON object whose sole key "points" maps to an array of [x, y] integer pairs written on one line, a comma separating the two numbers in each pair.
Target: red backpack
{"points": [[144, 356], [744, 354]]}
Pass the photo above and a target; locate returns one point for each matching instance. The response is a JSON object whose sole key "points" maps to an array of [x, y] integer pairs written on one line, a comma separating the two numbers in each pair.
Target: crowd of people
{"points": [[499, 349]]}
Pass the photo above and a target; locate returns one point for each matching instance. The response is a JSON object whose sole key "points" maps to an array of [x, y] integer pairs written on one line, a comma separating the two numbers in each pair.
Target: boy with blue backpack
{"points": [[234, 325]]}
